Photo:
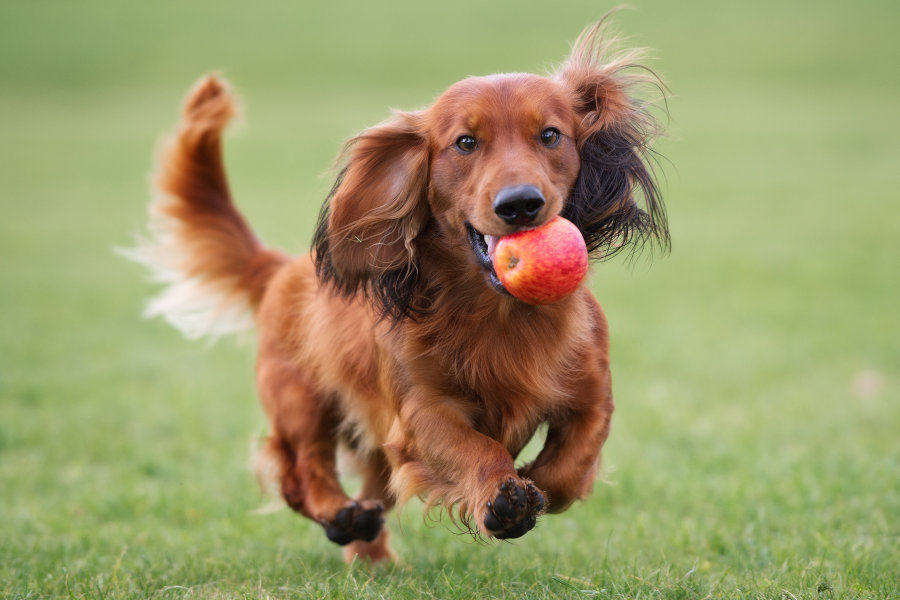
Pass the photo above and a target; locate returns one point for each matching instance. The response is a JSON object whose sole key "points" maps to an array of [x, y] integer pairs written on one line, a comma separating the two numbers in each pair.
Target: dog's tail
{"points": [[199, 245]]}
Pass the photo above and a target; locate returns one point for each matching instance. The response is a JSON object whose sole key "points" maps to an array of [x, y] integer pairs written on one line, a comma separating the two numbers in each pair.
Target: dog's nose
{"points": [[519, 204]]}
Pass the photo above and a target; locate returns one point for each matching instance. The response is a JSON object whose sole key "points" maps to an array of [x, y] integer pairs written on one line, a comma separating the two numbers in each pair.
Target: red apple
{"points": [[542, 265]]}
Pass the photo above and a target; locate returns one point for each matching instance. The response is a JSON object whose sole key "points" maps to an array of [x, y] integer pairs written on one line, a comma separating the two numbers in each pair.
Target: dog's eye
{"points": [[466, 144], [551, 137]]}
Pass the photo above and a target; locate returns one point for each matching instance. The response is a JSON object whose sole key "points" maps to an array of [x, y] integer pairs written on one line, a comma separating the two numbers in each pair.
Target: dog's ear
{"points": [[365, 238], [613, 142]]}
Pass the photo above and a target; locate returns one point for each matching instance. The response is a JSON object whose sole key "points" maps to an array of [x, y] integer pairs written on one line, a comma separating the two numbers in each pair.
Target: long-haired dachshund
{"points": [[394, 337]]}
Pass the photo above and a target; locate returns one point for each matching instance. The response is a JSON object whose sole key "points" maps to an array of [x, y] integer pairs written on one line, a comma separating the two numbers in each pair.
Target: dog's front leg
{"points": [[567, 465], [443, 454]]}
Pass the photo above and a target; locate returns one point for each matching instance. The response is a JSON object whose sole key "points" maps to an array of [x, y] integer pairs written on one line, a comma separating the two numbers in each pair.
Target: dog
{"points": [[393, 337]]}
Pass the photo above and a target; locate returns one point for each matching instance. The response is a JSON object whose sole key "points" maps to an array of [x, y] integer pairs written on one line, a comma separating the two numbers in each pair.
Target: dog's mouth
{"points": [[483, 246]]}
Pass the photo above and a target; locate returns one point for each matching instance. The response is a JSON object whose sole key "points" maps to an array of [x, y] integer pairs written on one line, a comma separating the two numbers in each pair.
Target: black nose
{"points": [[518, 204]]}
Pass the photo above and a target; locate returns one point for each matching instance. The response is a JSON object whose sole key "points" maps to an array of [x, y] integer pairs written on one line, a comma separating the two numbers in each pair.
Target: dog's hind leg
{"points": [[303, 441], [376, 473]]}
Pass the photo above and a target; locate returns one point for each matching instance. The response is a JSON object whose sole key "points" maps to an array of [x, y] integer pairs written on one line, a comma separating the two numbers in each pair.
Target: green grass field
{"points": [[755, 450]]}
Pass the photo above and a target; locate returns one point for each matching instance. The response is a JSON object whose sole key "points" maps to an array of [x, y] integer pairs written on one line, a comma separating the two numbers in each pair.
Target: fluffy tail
{"points": [[199, 245]]}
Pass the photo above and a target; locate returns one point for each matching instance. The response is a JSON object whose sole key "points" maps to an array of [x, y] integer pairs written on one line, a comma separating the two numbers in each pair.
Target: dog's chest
{"points": [[509, 385]]}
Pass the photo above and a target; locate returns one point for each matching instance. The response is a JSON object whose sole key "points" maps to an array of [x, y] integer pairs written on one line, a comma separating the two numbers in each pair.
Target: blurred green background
{"points": [[756, 445]]}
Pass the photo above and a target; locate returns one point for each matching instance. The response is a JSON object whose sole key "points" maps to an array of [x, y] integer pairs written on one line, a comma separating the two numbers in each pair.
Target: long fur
{"points": [[615, 147], [389, 337], [199, 245]]}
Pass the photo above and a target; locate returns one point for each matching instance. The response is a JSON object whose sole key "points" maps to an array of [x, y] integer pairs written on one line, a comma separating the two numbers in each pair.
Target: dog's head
{"points": [[491, 156]]}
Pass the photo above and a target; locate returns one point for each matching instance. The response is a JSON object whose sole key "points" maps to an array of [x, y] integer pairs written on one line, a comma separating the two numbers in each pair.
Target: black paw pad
{"points": [[514, 511], [354, 522]]}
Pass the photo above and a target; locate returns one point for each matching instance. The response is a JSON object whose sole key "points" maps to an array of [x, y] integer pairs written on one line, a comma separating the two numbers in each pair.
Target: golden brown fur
{"points": [[390, 337]]}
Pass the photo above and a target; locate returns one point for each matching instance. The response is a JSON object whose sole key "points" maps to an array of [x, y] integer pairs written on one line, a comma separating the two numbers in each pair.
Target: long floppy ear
{"points": [[613, 143], [365, 238]]}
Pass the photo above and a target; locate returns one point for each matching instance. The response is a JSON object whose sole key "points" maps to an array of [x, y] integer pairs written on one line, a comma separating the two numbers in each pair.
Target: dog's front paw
{"points": [[356, 521], [514, 511]]}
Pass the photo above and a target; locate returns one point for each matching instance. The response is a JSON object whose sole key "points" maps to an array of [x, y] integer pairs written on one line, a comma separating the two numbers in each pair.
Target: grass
{"points": [[754, 451]]}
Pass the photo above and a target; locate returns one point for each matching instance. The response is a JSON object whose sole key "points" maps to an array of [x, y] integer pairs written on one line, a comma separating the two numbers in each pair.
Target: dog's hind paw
{"points": [[356, 521], [514, 511]]}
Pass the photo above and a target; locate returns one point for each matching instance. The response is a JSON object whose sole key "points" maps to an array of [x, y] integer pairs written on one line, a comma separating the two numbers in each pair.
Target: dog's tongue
{"points": [[491, 244]]}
